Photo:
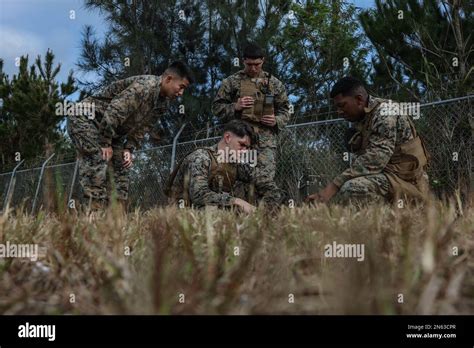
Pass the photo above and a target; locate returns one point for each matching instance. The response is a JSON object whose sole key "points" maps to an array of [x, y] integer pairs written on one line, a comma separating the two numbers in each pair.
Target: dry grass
{"points": [[193, 253]]}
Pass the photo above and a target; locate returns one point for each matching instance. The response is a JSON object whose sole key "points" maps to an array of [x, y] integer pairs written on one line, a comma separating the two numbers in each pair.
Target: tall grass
{"points": [[172, 261]]}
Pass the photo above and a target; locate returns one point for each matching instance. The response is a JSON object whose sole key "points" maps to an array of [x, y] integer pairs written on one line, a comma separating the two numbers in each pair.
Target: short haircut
{"points": [[182, 70], [241, 129], [347, 86], [253, 51]]}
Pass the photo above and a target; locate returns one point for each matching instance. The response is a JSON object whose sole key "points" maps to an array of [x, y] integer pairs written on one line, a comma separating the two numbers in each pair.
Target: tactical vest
{"points": [[405, 169], [222, 178], [259, 89]]}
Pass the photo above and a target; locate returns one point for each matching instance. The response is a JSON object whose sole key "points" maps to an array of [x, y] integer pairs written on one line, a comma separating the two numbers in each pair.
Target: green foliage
{"points": [[28, 121], [318, 46], [417, 45]]}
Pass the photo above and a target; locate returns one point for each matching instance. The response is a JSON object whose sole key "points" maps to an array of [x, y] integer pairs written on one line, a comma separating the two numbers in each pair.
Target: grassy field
{"points": [[171, 261]]}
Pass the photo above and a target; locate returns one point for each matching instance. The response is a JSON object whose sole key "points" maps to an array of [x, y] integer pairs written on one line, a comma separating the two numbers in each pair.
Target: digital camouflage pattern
{"points": [[127, 109], [195, 173], [366, 180], [223, 107], [229, 92], [124, 112], [373, 188]]}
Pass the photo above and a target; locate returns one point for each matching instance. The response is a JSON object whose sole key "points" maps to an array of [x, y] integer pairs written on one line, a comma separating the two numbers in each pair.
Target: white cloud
{"points": [[15, 43]]}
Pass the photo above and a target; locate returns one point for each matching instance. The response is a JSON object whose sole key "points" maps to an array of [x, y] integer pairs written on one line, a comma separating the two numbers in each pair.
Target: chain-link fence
{"points": [[309, 155]]}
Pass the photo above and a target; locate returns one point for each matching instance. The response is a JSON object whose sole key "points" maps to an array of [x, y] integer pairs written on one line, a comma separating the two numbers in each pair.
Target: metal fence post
{"points": [[175, 142], [39, 183], [76, 166], [11, 187], [351, 155]]}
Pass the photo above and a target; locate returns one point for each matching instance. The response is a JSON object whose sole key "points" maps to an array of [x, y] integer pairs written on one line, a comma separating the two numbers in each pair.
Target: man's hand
{"points": [[245, 206], [243, 103], [313, 198], [324, 195], [268, 120], [107, 153], [127, 159]]}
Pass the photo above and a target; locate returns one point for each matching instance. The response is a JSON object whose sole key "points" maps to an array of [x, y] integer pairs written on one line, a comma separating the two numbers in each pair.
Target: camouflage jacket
{"points": [[127, 109], [229, 92], [196, 167], [388, 130]]}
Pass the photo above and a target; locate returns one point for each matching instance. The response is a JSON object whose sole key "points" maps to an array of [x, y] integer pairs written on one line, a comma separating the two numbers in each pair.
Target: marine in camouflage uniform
{"points": [[197, 184], [389, 158], [211, 176], [124, 112], [223, 106], [369, 177]]}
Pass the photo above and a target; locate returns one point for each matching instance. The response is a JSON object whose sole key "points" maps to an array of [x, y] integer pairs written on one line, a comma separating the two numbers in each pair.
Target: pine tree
{"points": [[423, 47], [29, 125], [320, 43]]}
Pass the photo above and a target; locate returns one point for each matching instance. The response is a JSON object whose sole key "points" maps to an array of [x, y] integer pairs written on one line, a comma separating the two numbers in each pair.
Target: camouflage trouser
{"points": [[94, 172], [365, 190], [264, 178]]}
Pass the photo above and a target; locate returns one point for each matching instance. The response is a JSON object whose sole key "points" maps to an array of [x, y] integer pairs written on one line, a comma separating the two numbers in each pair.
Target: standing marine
{"points": [[259, 99], [123, 113]]}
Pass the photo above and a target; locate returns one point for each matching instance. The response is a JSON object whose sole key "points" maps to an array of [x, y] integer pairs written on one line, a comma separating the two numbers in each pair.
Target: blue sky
{"points": [[30, 27]]}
